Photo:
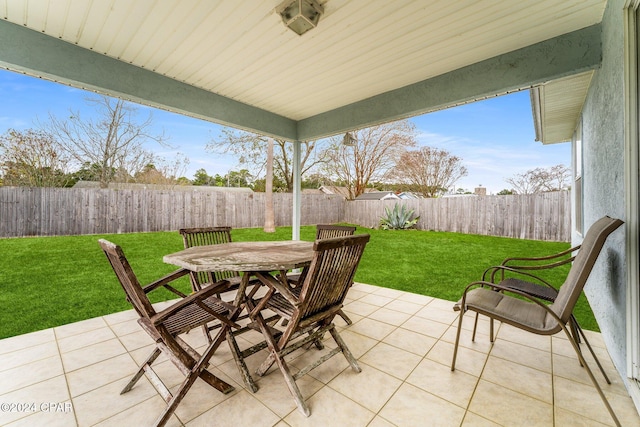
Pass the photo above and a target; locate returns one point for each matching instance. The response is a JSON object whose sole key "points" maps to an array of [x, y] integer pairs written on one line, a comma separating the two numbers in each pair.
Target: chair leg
{"points": [[195, 372], [586, 341], [345, 317], [345, 350], [475, 327], [242, 366], [293, 387], [491, 330], [266, 365], [455, 346], [205, 331], [576, 348], [574, 328], [152, 357], [274, 356], [177, 398]]}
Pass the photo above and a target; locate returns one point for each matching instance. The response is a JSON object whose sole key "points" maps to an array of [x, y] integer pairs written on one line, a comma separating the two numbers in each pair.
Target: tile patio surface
{"points": [[72, 375]]}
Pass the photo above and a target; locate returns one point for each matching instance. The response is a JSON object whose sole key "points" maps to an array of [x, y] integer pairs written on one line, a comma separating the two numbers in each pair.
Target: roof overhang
{"points": [[557, 106], [236, 64]]}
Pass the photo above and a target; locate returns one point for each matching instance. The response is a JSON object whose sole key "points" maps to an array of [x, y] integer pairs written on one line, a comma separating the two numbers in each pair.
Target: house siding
{"points": [[604, 183]]}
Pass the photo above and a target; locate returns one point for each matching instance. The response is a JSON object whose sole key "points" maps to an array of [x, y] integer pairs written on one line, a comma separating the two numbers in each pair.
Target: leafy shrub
{"points": [[398, 219]]}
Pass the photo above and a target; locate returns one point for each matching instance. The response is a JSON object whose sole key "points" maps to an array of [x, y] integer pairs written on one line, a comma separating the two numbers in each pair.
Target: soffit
{"points": [[557, 107], [361, 48]]}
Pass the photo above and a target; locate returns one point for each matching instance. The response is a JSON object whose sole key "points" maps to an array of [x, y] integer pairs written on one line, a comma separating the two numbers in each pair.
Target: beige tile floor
{"points": [[71, 376]]}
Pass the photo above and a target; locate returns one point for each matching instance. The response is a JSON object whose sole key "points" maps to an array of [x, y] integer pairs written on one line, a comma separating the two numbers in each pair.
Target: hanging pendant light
{"points": [[300, 15], [348, 140]]}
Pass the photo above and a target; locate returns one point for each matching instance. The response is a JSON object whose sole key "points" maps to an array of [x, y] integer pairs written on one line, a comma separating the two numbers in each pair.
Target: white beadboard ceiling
{"points": [[240, 48]]}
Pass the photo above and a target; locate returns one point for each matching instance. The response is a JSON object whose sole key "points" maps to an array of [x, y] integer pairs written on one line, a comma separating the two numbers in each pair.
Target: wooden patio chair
{"points": [[532, 314], [311, 307], [165, 326], [202, 236], [209, 236], [327, 231], [227, 282]]}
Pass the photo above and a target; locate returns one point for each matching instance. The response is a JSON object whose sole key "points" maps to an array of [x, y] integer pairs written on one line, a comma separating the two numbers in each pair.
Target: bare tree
{"points": [[525, 183], [430, 170], [33, 158], [112, 141], [250, 149], [375, 151], [554, 178], [538, 180], [162, 172]]}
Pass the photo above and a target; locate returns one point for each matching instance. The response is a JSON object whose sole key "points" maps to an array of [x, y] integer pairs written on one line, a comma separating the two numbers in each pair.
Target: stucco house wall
{"points": [[604, 181]]}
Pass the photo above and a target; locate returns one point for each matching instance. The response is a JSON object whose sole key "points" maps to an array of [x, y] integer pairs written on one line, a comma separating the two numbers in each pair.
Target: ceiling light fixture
{"points": [[300, 15]]}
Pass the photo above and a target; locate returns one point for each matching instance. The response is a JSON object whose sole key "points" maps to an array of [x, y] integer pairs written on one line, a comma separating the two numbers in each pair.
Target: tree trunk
{"points": [[269, 226]]}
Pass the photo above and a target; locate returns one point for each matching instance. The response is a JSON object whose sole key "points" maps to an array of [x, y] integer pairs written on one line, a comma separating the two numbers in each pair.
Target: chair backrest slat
{"points": [[127, 278], [331, 273], [325, 231], [582, 265], [204, 236]]}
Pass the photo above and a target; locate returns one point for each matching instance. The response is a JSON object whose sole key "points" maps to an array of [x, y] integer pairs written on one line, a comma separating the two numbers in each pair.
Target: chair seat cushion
{"points": [[511, 310]]}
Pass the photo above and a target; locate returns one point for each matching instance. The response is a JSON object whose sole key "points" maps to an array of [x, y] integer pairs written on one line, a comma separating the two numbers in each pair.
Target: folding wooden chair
{"points": [[209, 236], [327, 231], [165, 327], [227, 282], [311, 307]]}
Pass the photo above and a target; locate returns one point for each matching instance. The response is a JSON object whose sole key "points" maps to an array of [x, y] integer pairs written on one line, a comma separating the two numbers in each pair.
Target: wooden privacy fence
{"points": [[542, 216], [70, 211]]}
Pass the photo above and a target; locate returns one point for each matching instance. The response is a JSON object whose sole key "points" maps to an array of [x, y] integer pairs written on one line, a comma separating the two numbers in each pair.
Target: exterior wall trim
{"points": [[632, 206]]}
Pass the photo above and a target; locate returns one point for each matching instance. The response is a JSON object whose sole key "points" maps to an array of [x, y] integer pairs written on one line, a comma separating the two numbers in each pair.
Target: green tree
{"points": [[239, 178], [92, 172], [202, 178]]}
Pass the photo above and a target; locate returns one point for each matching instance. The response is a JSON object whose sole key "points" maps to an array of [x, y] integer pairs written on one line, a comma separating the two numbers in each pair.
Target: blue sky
{"points": [[494, 138]]}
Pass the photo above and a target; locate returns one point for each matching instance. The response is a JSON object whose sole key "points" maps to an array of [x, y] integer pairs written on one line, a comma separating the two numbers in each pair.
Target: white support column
{"points": [[297, 190]]}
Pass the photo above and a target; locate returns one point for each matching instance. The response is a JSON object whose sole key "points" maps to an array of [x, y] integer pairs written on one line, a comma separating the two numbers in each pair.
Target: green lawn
{"points": [[51, 281]]}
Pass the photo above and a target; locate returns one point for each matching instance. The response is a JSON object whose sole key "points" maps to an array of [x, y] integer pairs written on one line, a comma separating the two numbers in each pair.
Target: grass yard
{"points": [[51, 281]]}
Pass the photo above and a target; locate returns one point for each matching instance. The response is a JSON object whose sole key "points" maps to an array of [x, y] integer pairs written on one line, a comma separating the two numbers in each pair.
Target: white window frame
{"points": [[578, 196]]}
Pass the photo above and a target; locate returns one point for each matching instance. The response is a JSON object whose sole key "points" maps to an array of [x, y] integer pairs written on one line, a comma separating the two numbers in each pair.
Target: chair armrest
{"points": [[502, 269], [165, 280], [274, 283], [498, 287], [545, 266], [194, 298]]}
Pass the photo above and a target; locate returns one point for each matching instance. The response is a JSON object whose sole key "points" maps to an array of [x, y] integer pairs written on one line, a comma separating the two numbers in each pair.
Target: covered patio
{"points": [[71, 376], [235, 63]]}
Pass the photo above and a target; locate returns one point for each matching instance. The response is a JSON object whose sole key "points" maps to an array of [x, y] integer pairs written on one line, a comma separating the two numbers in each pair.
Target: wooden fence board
{"points": [[66, 211]]}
